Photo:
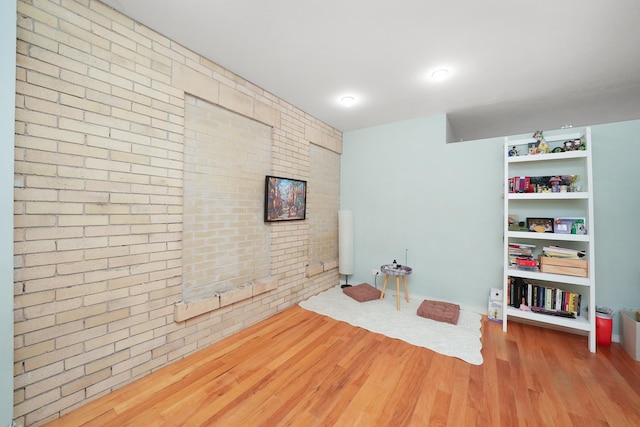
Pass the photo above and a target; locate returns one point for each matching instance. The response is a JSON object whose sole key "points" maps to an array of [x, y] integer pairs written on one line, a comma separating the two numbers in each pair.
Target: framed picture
{"points": [[285, 199], [540, 225], [569, 226]]}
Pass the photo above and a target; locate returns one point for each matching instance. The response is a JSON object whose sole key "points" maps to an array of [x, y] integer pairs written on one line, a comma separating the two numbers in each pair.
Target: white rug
{"points": [[380, 316]]}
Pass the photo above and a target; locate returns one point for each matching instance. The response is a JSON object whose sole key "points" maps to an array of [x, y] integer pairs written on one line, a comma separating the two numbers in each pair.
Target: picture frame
{"points": [[540, 225], [285, 199], [566, 225]]}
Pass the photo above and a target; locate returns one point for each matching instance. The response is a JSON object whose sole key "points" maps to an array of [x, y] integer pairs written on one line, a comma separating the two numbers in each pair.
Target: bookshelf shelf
{"points": [[547, 157], [565, 204], [549, 196], [548, 236], [580, 322], [548, 277]]}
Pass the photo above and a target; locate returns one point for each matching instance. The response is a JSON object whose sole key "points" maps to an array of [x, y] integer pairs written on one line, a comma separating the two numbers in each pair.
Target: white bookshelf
{"points": [[578, 204]]}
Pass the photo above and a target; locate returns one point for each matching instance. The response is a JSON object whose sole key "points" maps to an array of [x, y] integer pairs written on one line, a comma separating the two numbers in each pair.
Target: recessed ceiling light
{"points": [[347, 101], [567, 126], [440, 74]]}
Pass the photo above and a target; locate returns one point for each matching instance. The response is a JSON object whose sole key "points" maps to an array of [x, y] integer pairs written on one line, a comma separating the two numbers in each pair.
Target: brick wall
{"points": [[99, 203], [225, 238], [324, 184]]}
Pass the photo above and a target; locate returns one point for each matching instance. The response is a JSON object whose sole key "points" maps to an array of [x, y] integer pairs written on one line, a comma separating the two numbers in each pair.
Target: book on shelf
{"points": [[541, 298], [526, 262], [557, 251], [521, 247], [519, 184], [553, 312]]}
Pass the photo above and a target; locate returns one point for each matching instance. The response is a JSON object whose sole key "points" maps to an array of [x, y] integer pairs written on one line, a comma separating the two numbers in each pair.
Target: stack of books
{"points": [[558, 252], [521, 256]]}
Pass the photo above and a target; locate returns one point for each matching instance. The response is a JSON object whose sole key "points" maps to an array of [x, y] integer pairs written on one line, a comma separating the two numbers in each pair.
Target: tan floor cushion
{"points": [[362, 292], [440, 311]]}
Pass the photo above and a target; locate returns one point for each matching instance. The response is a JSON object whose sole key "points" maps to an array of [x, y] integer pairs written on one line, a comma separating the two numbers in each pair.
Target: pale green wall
{"points": [[408, 189], [616, 174], [7, 115]]}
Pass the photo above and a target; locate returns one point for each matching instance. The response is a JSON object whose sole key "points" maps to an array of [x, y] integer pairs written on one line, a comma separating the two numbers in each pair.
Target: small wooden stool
{"points": [[403, 271]]}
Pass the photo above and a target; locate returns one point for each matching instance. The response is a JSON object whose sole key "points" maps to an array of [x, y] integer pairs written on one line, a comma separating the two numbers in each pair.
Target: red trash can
{"points": [[604, 326]]}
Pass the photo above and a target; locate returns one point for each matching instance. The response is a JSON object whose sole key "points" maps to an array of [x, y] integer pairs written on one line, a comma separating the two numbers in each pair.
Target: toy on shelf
{"points": [[574, 145], [542, 146]]}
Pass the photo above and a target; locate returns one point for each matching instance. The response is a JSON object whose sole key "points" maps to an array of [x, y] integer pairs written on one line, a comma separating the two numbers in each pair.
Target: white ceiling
{"points": [[516, 66]]}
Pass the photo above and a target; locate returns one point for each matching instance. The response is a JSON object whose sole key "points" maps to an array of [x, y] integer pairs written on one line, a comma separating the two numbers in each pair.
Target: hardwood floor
{"points": [[302, 369]]}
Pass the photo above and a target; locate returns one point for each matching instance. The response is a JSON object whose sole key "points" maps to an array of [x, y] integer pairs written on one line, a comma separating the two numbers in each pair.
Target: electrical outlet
{"points": [[375, 272]]}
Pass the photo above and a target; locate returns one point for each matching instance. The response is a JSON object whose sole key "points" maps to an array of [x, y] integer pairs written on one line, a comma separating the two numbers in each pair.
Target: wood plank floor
{"points": [[299, 368]]}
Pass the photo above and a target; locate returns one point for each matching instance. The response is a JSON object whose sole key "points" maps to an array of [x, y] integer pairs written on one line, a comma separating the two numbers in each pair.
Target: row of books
{"points": [[543, 297]]}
